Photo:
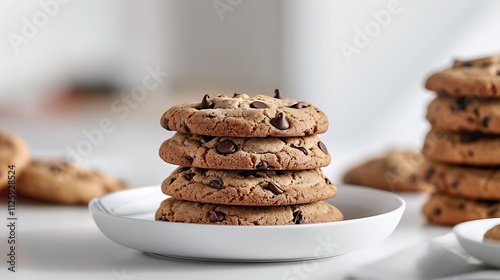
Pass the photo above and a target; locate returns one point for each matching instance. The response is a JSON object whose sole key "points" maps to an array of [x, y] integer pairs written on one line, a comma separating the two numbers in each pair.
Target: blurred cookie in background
{"points": [[394, 171], [64, 183]]}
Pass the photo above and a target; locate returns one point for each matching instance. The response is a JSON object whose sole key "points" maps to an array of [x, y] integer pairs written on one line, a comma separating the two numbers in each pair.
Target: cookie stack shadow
{"points": [[463, 147], [246, 160]]}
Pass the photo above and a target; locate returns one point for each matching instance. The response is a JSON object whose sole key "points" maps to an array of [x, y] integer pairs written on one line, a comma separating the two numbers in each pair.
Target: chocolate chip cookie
{"points": [[60, 182], [468, 182], [493, 233], [479, 77], [292, 153], [13, 152], [173, 210], [472, 148], [248, 187], [465, 114], [246, 116], [395, 171], [448, 210]]}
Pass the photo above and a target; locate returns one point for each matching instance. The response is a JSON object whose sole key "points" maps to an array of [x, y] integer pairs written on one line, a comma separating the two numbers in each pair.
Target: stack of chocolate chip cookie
{"points": [[463, 147], [246, 160]]}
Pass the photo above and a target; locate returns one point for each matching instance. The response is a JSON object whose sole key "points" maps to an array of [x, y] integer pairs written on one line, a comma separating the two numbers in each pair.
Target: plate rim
{"points": [[95, 204], [457, 230]]}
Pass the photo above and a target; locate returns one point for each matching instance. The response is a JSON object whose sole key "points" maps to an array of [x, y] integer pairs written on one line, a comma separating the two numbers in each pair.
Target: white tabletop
{"points": [[62, 242]]}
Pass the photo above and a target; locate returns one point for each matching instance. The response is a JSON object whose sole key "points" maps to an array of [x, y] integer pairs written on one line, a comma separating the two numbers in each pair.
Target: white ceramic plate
{"points": [[127, 218], [470, 236]]}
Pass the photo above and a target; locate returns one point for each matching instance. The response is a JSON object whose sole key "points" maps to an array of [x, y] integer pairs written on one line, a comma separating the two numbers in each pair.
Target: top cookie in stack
{"points": [[463, 147], [246, 160], [246, 116]]}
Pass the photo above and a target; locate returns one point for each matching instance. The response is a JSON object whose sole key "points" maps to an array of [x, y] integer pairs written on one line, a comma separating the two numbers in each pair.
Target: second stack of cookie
{"points": [[463, 147], [246, 160]]}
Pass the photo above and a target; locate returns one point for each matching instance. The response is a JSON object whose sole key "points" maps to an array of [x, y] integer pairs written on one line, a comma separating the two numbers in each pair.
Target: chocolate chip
{"points": [[302, 149], [299, 105], [486, 122], [200, 204], [460, 104], [182, 169], [215, 184], [461, 205], [205, 103], [236, 94], [190, 176], [437, 212], [430, 173], [307, 132], [455, 184], [226, 147], [277, 94], [328, 181], [216, 216], [298, 217], [275, 188], [280, 122], [171, 181], [470, 153], [190, 159], [262, 165], [258, 105], [322, 147]]}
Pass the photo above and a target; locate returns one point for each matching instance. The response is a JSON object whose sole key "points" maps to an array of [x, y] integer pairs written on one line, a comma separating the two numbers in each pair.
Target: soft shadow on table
{"points": [[77, 250]]}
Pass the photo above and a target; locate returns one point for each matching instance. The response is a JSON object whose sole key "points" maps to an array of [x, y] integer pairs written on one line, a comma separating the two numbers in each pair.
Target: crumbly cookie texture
{"points": [[447, 210], [465, 114], [468, 182], [14, 153], [63, 183], [173, 210], [476, 149], [479, 78], [246, 187], [246, 116], [395, 171], [493, 233], [292, 153]]}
